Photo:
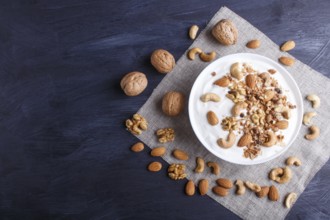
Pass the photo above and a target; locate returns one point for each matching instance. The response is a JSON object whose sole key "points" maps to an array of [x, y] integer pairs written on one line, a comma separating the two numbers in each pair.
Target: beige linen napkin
{"points": [[313, 154]]}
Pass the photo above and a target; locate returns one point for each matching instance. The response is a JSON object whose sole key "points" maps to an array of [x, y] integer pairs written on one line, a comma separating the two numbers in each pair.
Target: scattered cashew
{"points": [[293, 161], [229, 142], [240, 187], [238, 107], [272, 138], [253, 186], [193, 32], [274, 173], [215, 168], [207, 57], [308, 117], [316, 101], [193, 51], [210, 97], [199, 165], [314, 133], [290, 199], [279, 176], [236, 71]]}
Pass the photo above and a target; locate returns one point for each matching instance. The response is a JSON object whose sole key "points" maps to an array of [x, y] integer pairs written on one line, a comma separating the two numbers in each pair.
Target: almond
{"points": [[180, 155], [225, 183], [263, 192], [223, 81], [220, 191], [212, 118], [287, 61], [251, 80], [253, 44], [138, 147], [190, 188], [203, 186], [289, 45], [244, 140], [273, 193], [272, 71], [282, 124], [158, 151], [154, 166]]}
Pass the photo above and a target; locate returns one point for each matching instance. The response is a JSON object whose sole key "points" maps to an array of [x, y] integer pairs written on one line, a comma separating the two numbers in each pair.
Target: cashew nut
{"points": [[293, 161], [266, 78], [199, 165], [253, 186], [290, 199], [210, 97], [281, 175], [207, 57], [240, 187], [272, 139], [229, 142], [238, 107], [316, 101], [308, 117], [275, 172], [193, 32], [236, 71], [314, 133], [215, 168], [193, 51]]}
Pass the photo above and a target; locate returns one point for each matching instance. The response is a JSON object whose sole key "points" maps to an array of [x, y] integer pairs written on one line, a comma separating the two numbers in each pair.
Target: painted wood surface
{"points": [[64, 152]]}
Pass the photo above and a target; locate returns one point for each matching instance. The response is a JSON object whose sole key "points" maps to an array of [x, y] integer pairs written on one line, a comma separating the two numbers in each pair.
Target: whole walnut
{"points": [[225, 32], [173, 103], [134, 83], [162, 60]]}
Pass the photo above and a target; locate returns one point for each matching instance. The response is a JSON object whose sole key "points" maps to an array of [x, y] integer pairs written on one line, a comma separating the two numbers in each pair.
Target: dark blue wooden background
{"points": [[64, 152]]}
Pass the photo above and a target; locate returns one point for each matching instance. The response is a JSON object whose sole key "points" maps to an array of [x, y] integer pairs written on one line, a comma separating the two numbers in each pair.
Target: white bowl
{"points": [[208, 135]]}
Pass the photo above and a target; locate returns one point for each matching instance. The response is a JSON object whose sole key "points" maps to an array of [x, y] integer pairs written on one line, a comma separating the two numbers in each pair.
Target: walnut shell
{"points": [[134, 83], [173, 103], [162, 60], [225, 32]]}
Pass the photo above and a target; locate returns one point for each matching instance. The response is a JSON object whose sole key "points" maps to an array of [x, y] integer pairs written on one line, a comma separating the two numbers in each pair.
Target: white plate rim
{"points": [[278, 66]]}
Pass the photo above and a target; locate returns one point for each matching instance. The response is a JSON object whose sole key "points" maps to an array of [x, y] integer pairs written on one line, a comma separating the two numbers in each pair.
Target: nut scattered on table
{"points": [[273, 194], [138, 147], [240, 187], [180, 154], [281, 175], [200, 164], [137, 124], [293, 161], [154, 166], [207, 57], [288, 45], [290, 199], [215, 168], [316, 101], [308, 117], [163, 61], [253, 186], [287, 61], [203, 186], [193, 31], [158, 151], [177, 171], [165, 135], [173, 103], [225, 32], [263, 192], [253, 44], [220, 191], [314, 133], [225, 183], [190, 188], [192, 53], [134, 83]]}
